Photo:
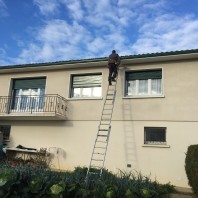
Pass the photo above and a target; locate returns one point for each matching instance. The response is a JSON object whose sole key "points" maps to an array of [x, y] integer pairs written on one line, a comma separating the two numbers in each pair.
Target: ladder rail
{"points": [[101, 167], [114, 95]]}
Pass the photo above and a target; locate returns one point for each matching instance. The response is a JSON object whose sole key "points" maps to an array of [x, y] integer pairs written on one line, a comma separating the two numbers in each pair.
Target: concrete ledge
{"points": [[182, 193], [180, 196], [185, 191]]}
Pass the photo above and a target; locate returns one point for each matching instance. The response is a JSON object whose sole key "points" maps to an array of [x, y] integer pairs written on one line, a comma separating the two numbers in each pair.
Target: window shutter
{"points": [[87, 81], [29, 83], [143, 75]]}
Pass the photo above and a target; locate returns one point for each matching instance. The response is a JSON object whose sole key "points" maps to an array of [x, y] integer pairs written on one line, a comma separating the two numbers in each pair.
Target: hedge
{"points": [[191, 167]]}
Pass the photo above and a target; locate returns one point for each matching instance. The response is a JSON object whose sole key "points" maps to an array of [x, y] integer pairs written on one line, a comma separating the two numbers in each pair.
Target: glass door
{"points": [[28, 100]]}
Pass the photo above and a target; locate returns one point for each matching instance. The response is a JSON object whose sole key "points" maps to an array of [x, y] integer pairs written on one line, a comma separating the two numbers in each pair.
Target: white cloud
{"points": [[3, 9], [47, 7], [167, 33], [93, 28], [75, 8], [55, 41]]}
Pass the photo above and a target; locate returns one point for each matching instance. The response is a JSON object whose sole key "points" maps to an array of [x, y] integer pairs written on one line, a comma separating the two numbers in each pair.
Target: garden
{"points": [[25, 181]]}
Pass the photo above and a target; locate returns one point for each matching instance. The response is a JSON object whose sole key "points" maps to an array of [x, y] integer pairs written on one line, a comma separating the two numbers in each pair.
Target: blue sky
{"points": [[35, 31]]}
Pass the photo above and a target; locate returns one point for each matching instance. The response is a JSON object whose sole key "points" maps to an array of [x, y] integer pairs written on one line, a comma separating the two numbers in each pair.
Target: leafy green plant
{"points": [[27, 181], [7, 178]]}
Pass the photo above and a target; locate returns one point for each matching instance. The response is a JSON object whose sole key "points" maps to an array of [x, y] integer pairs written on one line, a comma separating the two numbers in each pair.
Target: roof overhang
{"points": [[155, 59], [100, 62]]}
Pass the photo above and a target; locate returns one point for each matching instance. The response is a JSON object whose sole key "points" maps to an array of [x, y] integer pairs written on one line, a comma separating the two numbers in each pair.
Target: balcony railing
{"points": [[43, 105]]}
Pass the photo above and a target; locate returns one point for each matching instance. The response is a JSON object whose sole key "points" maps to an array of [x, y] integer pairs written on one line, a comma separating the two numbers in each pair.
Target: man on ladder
{"points": [[113, 63], [98, 155]]}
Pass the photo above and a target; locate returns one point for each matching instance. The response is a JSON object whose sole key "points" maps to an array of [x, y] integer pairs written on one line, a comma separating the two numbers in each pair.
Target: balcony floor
{"points": [[32, 116]]}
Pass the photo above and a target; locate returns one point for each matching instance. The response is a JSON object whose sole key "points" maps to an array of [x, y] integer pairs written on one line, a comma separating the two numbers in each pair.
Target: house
{"points": [[58, 106]]}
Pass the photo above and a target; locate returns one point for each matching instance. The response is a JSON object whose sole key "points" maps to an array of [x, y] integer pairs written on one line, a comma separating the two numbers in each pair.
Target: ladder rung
{"points": [[98, 153], [105, 123], [94, 173], [99, 160], [98, 167], [106, 114], [99, 147], [103, 135], [103, 129]]}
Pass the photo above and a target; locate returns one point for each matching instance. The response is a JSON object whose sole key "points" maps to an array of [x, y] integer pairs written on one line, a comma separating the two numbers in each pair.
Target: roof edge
{"points": [[96, 60]]}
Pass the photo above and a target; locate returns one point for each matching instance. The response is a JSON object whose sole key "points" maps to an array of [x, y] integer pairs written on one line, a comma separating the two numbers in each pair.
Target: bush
{"points": [[25, 181], [191, 167]]}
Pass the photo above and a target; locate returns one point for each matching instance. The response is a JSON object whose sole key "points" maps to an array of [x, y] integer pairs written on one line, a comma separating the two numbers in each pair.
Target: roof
{"points": [[103, 59]]}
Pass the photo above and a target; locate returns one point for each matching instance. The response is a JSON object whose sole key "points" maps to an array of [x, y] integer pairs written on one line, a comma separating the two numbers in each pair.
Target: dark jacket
{"points": [[114, 58]]}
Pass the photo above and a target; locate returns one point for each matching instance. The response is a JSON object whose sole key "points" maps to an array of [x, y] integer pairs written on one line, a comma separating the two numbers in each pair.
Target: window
{"points": [[28, 94], [144, 83], [154, 135], [4, 134], [86, 86]]}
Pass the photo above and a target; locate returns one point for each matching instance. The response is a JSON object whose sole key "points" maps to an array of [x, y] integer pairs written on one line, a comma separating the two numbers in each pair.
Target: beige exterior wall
{"points": [[177, 110]]}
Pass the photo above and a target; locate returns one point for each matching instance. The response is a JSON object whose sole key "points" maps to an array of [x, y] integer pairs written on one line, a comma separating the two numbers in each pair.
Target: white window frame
{"points": [[149, 94], [71, 92]]}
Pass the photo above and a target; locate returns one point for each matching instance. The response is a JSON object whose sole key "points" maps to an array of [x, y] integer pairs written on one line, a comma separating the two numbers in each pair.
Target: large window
{"points": [[154, 135], [28, 94], [86, 86], [144, 83]]}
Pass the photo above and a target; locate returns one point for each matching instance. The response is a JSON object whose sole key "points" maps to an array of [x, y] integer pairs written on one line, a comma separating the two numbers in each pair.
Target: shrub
{"points": [[26, 181], [191, 167]]}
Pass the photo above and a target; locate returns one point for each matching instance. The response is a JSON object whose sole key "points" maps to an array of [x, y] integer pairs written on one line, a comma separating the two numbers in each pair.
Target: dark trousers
{"points": [[112, 71]]}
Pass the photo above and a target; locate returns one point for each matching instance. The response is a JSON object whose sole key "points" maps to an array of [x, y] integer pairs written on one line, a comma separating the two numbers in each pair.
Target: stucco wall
{"points": [[177, 110], [76, 139]]}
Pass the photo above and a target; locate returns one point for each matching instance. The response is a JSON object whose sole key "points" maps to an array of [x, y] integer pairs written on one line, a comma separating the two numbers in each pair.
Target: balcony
{"points": [[45, 107]]}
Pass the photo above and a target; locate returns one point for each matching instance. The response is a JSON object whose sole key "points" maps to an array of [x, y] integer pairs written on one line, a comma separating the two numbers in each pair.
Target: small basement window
{"points": [[155, 135]]}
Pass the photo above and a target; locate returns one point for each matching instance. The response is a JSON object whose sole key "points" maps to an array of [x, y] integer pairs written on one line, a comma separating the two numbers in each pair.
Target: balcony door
{"points": [[28, 95], [27, 100]]}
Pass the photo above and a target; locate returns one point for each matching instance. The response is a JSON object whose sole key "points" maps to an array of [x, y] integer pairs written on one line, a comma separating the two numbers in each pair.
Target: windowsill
{"points": [[142, 97], [156, 145], [99, 98]]}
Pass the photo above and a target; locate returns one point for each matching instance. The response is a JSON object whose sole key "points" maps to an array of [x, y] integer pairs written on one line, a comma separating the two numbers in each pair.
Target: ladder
{"points": [[98, 155]]}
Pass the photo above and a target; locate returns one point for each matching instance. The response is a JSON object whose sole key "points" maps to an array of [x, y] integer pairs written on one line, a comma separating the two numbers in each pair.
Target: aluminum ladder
{"points": [[98, 155]]}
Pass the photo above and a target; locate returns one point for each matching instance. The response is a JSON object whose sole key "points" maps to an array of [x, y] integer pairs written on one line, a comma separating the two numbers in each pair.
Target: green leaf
{"points": [[128, 193], [7, 177], [35, 184], [145, 193], [2, 182], [110, 194], [56, 189]]}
